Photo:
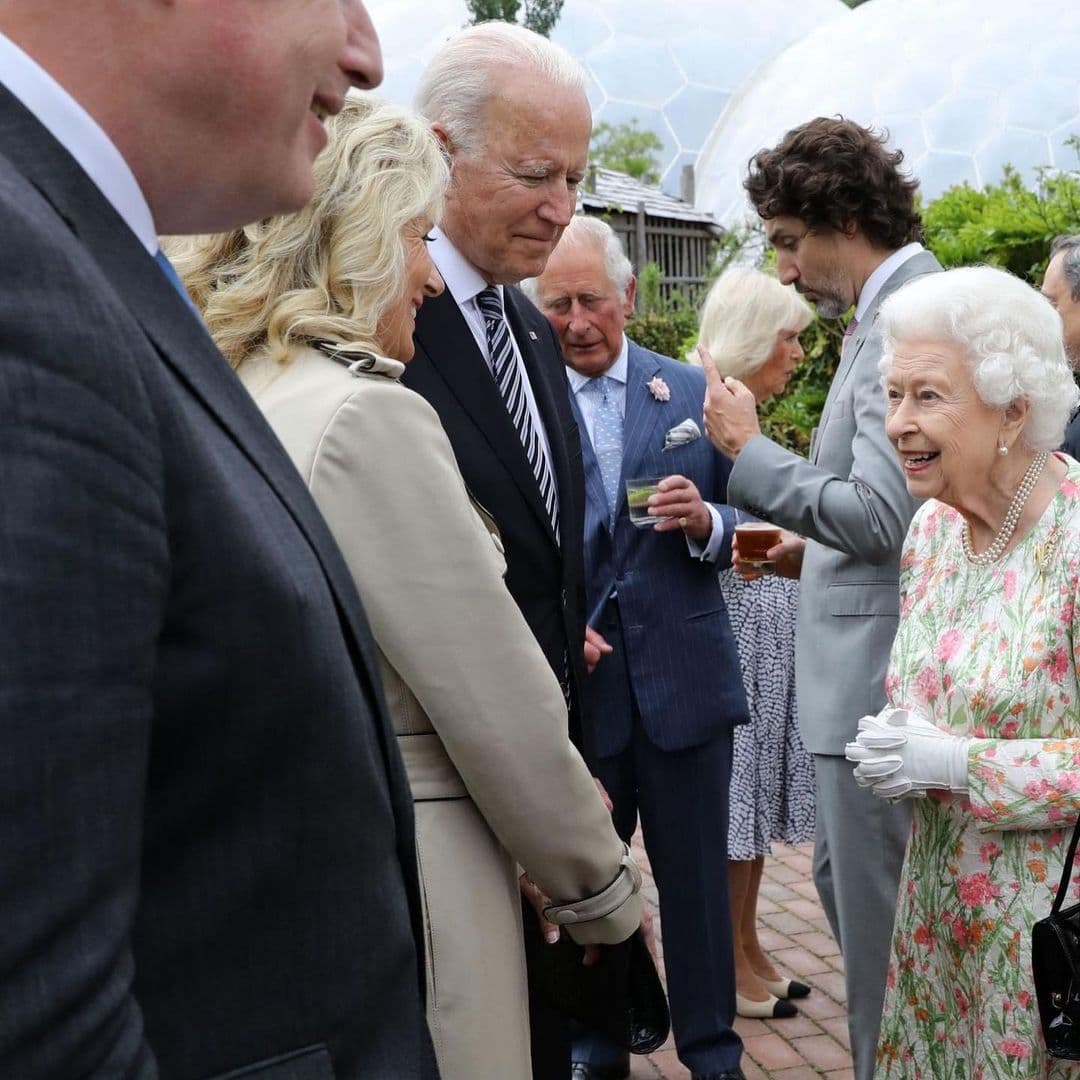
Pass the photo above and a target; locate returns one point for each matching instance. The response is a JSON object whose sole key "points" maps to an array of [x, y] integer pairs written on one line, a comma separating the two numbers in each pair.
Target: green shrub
{"points": [[662, 325], [1004, 224]]}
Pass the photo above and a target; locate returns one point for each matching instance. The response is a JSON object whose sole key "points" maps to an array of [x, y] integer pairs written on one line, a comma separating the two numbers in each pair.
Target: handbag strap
{"points": [[1066, 871]]}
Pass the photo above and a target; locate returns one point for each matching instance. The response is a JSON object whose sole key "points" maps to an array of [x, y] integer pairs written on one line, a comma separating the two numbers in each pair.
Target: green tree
{"points": [[627, 149], [1005, 224], [539, 15]]}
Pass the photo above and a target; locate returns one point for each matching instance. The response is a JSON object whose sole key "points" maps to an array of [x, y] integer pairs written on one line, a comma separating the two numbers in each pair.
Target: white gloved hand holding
{"points": [[900, 754]]}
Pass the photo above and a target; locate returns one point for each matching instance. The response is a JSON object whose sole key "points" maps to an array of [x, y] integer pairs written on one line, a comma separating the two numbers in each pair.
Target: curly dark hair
{"points": [[831, 171]]}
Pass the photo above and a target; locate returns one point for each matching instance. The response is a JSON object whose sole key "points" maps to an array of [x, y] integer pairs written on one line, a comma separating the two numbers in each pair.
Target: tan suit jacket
{"points": [[480, 717]]}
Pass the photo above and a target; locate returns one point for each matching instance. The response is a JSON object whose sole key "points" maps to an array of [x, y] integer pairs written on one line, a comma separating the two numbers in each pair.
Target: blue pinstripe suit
{"points": [[664, 703]]}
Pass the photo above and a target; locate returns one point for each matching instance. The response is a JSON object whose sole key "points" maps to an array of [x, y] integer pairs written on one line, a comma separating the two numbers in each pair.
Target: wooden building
{"points": [[655, 227]]}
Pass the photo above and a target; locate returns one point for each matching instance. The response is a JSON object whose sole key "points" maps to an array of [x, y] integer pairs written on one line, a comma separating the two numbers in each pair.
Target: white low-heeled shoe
{"points": [[769, 1009], [785, 989]]}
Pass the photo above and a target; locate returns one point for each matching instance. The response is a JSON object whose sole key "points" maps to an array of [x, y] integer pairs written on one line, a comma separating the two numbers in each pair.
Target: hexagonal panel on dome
{"points": [[636, 71], [674, 67], [1025, 150], [966, 87], [1038, 103], [692, 111], [962, 122]]}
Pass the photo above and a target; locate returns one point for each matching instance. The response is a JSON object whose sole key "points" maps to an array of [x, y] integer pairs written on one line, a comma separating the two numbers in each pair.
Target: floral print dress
{"points": [[991, 652]]}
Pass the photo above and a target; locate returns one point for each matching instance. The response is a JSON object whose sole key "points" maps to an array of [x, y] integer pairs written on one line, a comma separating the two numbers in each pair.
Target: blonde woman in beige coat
{"points": [[316, 313]]}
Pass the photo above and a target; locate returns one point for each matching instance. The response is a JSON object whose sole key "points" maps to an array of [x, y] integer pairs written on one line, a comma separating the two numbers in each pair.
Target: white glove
{"points": [[901, 754]]}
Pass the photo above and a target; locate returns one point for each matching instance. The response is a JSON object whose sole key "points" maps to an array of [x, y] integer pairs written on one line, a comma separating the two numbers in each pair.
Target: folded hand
{"points": [[900, 754]]}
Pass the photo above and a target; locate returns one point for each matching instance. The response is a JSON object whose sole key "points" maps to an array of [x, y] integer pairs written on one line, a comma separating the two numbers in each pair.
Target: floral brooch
{"points": [[659, 389]]}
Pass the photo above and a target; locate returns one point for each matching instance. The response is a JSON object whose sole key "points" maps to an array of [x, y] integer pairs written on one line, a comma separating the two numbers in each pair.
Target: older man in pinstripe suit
{"points": [[666, 698]]}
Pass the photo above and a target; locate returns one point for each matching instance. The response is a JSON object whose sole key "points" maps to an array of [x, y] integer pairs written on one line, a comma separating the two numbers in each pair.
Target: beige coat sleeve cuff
{"points": [[608, 916]]}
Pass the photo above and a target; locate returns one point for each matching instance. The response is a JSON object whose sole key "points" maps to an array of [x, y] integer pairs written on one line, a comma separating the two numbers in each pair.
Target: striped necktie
{"points": [[508, 378]]}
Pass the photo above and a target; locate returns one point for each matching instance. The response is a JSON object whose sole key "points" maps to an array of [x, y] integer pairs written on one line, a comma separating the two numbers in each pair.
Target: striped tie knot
{"points": [[490, 303]]}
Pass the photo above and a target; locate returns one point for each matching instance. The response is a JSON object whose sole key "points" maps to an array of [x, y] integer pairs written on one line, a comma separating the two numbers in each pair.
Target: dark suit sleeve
{"points": [[1071, 445], [83, 573]]}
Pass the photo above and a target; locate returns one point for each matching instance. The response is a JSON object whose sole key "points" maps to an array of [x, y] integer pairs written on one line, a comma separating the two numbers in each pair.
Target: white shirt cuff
{"points": [[710, 551]]}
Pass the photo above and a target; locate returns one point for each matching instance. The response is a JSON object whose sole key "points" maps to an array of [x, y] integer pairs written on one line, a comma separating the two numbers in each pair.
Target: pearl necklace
{"points": [[1012, 517]]}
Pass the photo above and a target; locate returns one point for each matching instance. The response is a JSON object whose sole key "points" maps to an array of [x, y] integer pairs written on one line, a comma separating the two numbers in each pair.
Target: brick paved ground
{"points": [[797, 936]]}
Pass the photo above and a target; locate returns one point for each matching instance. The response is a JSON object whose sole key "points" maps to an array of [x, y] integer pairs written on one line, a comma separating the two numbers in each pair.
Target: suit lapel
{"points": [[644, 415], [179, 338], [452, 349]]}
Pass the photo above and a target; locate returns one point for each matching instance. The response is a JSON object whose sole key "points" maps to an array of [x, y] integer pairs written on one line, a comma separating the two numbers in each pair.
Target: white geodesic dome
{"points": [[964, 87], [672, 66]]}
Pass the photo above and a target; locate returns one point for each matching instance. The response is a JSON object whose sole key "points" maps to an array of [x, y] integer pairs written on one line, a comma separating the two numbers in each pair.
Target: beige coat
{"points": [[480, 717]]}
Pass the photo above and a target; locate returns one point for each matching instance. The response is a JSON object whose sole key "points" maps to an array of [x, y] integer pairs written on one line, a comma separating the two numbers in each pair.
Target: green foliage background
{"points": [[1003, 224], [628, 149]]}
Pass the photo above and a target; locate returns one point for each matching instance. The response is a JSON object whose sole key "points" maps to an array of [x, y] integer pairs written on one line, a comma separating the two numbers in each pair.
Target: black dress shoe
{"points": [[582, 1070], [728, 1074]]}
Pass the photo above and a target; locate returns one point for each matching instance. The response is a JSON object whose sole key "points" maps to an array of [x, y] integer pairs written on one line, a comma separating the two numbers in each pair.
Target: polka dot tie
{"points": [[607, 436]]}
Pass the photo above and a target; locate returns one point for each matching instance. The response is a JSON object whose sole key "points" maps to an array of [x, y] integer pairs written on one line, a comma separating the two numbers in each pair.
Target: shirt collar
{"points": [[618, 371], [81, 135], [882, 273], [463, 280]]}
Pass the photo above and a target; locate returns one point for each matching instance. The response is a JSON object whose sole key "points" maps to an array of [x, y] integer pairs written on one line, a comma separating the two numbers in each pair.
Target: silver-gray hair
{"points": [[1010, 333], [1070, 263], [742, 314], [585, 231], [459, 81]]}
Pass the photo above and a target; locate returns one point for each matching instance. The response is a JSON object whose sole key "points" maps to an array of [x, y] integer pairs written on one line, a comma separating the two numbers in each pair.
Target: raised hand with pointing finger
{"points": [[730, 409]]}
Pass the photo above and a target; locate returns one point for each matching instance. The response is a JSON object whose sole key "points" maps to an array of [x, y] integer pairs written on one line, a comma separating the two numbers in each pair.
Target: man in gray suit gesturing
{"points": [[840, 215]]}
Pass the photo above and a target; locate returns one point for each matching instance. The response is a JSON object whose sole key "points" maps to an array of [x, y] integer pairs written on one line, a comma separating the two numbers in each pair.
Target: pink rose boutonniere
{"points": [[659, 389]]}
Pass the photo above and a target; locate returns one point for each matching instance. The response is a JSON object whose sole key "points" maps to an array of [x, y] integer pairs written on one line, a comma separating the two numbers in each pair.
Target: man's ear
{"points": [[631, 292], [444, 139]]}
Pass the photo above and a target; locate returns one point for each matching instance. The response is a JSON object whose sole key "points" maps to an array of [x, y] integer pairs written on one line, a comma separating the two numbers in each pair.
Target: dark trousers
{"points": [[548, 1028], [682, 798]]}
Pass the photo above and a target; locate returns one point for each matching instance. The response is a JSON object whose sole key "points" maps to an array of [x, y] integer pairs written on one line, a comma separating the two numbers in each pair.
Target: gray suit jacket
{"points": [[851, 502]]}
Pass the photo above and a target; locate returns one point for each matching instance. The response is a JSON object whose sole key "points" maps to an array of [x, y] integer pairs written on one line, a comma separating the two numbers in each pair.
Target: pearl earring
{"points": [[1003, 449]]}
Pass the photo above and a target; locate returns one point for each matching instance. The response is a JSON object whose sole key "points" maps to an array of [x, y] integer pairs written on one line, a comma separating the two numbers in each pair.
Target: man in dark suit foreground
{"points": [[666, 699], [206, 849], [1061, 286], [511, 110]]}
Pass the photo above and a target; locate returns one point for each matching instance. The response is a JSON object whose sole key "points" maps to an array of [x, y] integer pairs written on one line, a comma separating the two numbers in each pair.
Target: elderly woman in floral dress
{"points": [[983, 723]]}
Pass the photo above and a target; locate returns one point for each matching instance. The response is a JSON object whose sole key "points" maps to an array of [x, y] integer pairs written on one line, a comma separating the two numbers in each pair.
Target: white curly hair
{"points": [[1009, 332]]}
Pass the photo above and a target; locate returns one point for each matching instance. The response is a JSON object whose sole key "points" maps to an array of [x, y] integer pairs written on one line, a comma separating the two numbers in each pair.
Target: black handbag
{"points": [[1055, 968], [621, 995]]}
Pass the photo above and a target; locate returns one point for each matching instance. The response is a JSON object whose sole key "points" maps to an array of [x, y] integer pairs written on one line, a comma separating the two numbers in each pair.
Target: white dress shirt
{"points": [[882, 274], [464, 283], [81, 136], [587, 403]]}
